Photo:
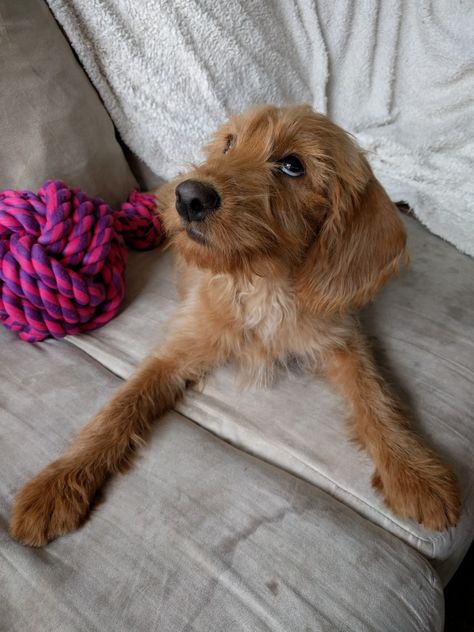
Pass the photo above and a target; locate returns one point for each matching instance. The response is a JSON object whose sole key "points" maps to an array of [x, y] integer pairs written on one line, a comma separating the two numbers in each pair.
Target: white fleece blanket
{"points": [[398, 74]]}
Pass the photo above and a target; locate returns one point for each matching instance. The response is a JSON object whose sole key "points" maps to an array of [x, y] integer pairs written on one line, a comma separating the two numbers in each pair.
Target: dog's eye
{"points": [[229, 143], [291, 166]]}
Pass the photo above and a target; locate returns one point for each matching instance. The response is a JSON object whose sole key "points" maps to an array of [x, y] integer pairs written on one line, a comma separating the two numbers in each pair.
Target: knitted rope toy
{"points": [[62, 258]]}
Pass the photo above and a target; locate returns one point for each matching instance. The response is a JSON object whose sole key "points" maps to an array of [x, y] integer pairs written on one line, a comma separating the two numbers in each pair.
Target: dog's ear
{"points": [[358, 247]]}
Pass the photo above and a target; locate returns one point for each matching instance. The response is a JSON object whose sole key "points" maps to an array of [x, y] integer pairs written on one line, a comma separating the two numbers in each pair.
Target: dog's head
{"points": [[284, 188]]}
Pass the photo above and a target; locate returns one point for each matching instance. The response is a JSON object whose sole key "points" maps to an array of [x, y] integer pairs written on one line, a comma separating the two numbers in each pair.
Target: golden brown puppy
{"points": [[280, 235]]}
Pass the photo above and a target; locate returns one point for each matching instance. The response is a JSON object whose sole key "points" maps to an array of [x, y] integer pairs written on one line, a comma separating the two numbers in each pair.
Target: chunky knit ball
{"points": [[62, 258]]}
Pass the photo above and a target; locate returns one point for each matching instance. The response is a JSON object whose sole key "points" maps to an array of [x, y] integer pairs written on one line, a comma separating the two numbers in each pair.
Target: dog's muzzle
{"points": [[195, 200]]}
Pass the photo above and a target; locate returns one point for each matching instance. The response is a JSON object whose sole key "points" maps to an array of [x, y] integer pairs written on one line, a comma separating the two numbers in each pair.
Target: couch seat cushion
{"points": [[197, 536]]}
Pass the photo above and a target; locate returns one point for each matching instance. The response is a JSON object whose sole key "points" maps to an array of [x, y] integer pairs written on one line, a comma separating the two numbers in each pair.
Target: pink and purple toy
{"points": [[62, 258]]}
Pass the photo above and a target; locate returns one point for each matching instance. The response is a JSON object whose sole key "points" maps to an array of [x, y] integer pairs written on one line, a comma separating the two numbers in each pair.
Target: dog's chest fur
{"points": [[259, 321], [263, 307], [262, 317], [265, 317], [259, 307]]}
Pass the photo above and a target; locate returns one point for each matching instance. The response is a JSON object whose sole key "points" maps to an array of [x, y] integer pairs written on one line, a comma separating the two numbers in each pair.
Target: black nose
{"points": [[195, 200]]}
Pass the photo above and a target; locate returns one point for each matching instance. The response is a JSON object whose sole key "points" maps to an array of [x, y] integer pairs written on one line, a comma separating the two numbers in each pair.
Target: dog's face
{"points": [[282, 188]]}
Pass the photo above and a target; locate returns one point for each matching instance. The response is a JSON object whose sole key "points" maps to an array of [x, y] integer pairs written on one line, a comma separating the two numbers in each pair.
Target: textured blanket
{"points": [[399, 75]]}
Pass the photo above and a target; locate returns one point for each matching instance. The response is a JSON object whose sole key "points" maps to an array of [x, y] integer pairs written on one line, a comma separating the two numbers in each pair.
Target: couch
{"points": [[248, 510]]}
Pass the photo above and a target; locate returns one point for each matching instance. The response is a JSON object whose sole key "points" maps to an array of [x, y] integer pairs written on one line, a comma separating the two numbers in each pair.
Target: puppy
{"points": [[280, 235]]}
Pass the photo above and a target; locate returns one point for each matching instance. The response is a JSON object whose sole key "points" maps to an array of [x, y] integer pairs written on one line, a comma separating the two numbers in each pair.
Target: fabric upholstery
{"points": [[197, 536], [423, 330], [52, 123]]}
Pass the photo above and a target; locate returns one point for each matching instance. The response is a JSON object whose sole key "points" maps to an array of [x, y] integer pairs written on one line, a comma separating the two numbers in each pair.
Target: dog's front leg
{"points": [[414, 481], [59, 498]]}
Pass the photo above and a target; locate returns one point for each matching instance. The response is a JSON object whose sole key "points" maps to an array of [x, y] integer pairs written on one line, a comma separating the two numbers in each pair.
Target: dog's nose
{"points": [[195, 200]]}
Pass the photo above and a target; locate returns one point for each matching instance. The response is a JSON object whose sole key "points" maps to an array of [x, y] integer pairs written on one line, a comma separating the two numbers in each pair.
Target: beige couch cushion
{"points": [[423, 325], [198, 536], [52, 123]]}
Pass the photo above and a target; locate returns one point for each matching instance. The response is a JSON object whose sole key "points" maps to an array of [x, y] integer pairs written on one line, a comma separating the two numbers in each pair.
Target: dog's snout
{"points": [[195, 200]]}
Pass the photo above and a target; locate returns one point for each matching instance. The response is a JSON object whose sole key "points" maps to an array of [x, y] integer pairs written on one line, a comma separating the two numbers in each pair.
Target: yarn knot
{"points": [[62, 257]]}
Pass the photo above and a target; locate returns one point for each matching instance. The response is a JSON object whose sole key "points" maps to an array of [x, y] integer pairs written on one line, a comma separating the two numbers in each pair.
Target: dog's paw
{"points": [[429, 495], [51, 504]]}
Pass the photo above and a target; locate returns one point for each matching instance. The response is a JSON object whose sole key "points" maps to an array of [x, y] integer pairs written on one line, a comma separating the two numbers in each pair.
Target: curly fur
{"points": [[274, 274]]}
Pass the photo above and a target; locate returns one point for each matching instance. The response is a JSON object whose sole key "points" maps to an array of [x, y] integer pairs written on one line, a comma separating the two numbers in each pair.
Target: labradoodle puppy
{"points": [[280, 235]]}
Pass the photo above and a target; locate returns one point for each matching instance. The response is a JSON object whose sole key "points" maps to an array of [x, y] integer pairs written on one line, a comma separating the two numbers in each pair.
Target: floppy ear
{"points": [[359, 247]]}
